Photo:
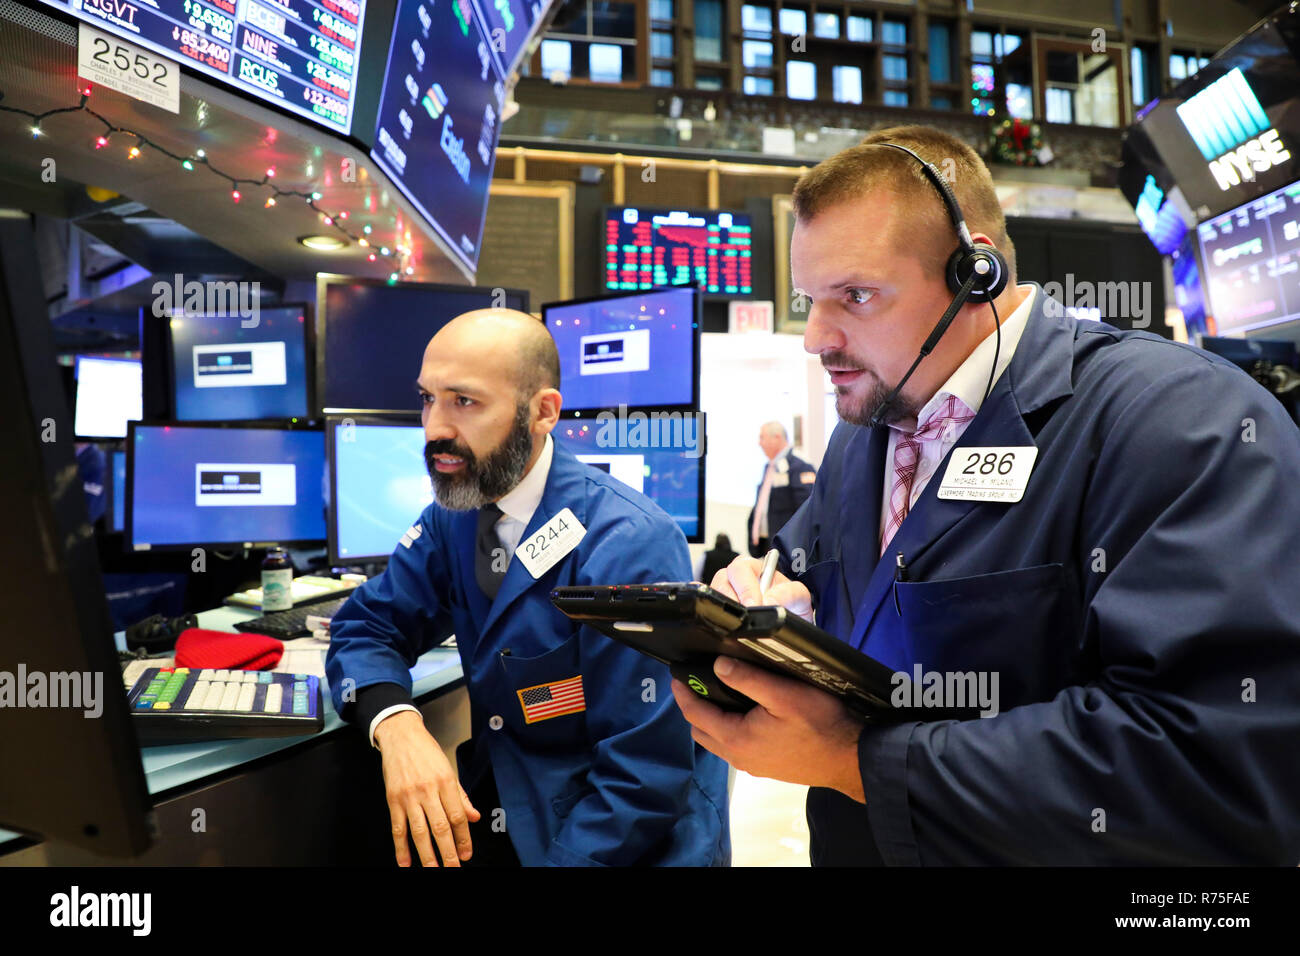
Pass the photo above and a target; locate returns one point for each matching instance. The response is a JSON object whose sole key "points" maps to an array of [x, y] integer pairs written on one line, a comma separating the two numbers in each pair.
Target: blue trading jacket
{"points": [[621, 782], [1141, 605]]}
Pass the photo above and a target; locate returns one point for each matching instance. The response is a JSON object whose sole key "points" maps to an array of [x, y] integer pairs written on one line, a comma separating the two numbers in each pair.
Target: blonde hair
{"points": [[858, 170]]}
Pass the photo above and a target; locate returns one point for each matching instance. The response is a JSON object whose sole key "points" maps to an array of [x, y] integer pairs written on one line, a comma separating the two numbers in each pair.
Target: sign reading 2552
{"points": [[106, 61]]}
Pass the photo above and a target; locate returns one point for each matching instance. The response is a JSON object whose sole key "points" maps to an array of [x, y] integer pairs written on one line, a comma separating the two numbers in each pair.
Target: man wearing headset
{"points": [[1098, 525]]}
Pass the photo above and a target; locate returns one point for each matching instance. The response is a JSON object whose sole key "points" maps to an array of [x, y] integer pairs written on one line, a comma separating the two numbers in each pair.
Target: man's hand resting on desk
{"points": [[739, 580], [424, 793]]}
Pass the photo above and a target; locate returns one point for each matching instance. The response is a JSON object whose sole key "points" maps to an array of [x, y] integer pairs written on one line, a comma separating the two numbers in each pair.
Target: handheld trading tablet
{"points": [[687, 626]]}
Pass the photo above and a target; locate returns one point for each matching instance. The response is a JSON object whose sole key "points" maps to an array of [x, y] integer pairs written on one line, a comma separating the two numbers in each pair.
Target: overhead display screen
{"points": [[656, 247], [298, 54], [510, 24], [439, 117], [1252, 262]]}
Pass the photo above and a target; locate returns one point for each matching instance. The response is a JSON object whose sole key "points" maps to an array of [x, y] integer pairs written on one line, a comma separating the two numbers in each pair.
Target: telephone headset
{"points": [[974, 274]]}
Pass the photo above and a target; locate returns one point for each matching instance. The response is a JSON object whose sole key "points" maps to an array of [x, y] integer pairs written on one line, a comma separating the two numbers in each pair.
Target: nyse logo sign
{"points": [[1232, 131]]}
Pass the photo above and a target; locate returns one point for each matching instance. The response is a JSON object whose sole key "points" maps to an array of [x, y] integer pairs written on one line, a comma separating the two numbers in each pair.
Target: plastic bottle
{"points": [[277, 581]]}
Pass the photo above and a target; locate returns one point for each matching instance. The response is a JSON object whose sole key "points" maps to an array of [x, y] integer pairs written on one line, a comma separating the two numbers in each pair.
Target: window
{"points": [[895, 67], [605, 63], [800, 80], [708, 81], [660, 77], [1137, 68], [758, 85], [1060, 105], [1020, 101], [894, 33], [846, 82], [793, 22], [708, 29], [860, 29], [896, 98], [1177, 67], [756, 54], [661, 9], [755, 19], [941, 102], [661, 45], [826, 25], [940, 35], [557, 57]]}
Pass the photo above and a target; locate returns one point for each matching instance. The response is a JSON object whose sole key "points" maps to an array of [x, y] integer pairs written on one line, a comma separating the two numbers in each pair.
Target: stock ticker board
{"points": [[440, 117], [646, 248], [298, 54]]}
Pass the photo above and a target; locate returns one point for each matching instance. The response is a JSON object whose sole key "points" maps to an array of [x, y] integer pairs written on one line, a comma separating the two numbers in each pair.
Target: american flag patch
{"points": [[545, 701]]}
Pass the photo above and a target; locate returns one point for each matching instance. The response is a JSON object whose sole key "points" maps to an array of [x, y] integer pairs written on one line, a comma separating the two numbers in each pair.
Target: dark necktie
{"points": [[485, 543]]}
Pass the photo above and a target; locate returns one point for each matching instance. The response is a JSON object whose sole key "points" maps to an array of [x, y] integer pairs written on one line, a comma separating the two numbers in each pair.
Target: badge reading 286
{"points": [[542, 549], [988, 474]]}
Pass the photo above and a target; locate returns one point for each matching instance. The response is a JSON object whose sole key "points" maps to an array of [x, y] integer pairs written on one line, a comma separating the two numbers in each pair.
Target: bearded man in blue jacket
{"points": [[573, 735]]}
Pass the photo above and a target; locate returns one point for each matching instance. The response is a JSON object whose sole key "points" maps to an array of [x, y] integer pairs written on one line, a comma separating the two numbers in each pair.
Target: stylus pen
{"points": [[769, 572]]}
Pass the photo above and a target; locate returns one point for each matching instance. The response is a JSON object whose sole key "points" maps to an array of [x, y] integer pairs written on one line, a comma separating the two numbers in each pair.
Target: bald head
{"points": [[488, 338]]}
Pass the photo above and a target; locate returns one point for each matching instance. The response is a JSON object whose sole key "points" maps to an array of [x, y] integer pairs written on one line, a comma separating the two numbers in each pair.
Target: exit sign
{"points": [[754, 316]]}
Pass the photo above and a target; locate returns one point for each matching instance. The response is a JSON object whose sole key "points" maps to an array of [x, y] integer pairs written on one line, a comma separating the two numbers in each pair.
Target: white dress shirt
{"points": [[967, 383], [517, 510]]}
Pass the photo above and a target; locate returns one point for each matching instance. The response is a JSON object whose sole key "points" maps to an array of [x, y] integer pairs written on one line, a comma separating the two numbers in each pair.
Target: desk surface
{"points": [[169, 766]]}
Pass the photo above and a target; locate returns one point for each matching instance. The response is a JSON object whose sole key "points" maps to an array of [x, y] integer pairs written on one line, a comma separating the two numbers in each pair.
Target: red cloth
{"points": [[197, 647]]}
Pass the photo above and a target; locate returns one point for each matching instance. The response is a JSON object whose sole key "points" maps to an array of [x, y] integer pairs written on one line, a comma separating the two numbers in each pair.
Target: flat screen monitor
{"points": [[647, 247], [371, 336], [117, 487], [665, 462], [637, 349], [1189, 294], [440, 116], [1246, 352], [510, 25], [299, 55], [379, 484], [109, 394], [1231, 132], [207, 484], [1251, 257], [223, 371]]}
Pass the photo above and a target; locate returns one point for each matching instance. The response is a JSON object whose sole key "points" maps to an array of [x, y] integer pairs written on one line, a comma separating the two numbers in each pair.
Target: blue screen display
{"points": [[381, 486], [440, 117], [196, 486], [667, 471], [636, 350], [366, 369], [119, 491], [225, 372]]}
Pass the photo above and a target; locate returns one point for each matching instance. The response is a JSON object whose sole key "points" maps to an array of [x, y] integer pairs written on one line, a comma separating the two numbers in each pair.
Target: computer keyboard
{"points": [[172, 704], [286, 625]]}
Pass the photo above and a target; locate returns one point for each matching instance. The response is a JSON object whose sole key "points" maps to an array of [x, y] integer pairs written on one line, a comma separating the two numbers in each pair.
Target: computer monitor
{"points": [[118, 490], [371, 336], [639, 349], [223, 371], [108, 396], [1250, 255], [379, 484], [658, 453], [1246, 352], [72, 772], [209, 484]]}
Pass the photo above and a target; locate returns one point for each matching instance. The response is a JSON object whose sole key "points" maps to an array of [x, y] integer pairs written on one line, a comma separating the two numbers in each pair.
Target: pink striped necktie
{"points": [[907, 455]]}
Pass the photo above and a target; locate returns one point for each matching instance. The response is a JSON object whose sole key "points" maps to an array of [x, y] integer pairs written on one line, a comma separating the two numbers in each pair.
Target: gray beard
{"points": [[896, 411], [490, 479]]}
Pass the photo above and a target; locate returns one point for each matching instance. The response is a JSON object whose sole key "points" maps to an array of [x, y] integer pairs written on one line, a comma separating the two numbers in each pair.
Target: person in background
{"points": [[718, 558], [787, 483], [577, 754]]}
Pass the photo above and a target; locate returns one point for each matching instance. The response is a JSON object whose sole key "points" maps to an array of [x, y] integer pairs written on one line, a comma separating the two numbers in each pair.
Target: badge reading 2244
{"points": [[542, 549], [988, 474]]}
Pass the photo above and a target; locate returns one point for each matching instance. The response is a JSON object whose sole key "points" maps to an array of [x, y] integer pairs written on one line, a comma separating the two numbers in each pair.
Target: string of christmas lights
{"points": [[200, 158]]}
